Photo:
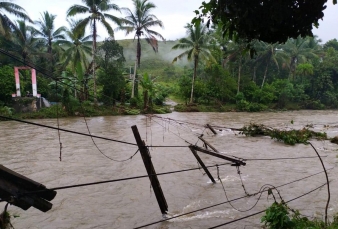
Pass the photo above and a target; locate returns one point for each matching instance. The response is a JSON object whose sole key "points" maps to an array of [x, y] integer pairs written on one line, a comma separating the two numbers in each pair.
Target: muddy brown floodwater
{"points": [[34, 152]]}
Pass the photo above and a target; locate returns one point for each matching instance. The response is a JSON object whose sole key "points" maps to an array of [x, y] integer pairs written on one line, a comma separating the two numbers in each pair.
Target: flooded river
{"points": [[34, 152]]}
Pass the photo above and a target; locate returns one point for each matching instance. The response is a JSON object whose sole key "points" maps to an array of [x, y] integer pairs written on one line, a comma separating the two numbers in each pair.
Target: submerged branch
{"points": [[289, 137]]}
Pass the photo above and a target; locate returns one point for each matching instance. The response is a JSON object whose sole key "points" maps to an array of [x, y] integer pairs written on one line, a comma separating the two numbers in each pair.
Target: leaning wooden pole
{"points": [[202, 164], [212, 129], [151, 171], [206, 143]]}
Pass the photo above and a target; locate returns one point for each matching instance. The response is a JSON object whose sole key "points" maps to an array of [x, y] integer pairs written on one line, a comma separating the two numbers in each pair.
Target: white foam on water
{"points": [[203, 215]]}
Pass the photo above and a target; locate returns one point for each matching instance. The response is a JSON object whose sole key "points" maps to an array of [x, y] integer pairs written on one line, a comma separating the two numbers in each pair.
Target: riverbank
{"points": [[86, 109], [90, 110]]}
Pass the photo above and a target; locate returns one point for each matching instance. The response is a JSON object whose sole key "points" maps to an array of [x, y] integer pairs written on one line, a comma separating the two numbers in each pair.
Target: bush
{"points": [[278, 216], [6, 111], [314, 105], [46, 112], [255, 107], [266, 95], [135, 102], [242, 105]]}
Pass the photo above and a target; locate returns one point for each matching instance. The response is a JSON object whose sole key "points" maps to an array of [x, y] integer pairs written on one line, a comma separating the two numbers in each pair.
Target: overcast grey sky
{"points": [[175, 14]]}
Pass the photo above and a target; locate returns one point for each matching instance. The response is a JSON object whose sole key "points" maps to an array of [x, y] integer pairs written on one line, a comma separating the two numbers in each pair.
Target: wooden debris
{"points": [[15, 189], [202, 164], [212, 129]]}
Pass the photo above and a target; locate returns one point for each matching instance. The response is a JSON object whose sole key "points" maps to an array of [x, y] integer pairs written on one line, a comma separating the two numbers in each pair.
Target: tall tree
{"points": [[77, 48], [110, 75], [197, 46], [236, 52], [47, 30], [24, 41], [267, 54], [6, 25], [139, 21], [299, 51], [97, 13]]}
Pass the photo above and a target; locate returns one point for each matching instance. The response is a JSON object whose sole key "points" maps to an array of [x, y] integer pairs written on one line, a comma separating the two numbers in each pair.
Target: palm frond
{"points": [[77, 9]]}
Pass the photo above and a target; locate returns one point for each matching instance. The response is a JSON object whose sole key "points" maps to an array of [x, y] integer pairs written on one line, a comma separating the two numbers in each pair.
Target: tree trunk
{"points": [[123, 96], [293, 67], [134, 77], [254, 74], [145, 99], [94, 51], [239, 73], [138, 51], [266, 70], [193, 79], [75, 84]]}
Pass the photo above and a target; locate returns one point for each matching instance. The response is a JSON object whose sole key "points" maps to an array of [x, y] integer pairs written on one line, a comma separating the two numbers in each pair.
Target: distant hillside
{"points": [[151, 62]]}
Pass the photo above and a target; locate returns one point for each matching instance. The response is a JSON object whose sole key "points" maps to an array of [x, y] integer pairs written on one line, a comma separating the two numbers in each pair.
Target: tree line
{"points": [[252, 76], [248, 75]]}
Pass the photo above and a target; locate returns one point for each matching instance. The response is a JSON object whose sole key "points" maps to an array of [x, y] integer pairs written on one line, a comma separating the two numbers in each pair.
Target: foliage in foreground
{"points": [[289, 137], [5, 220], [278, 216]]}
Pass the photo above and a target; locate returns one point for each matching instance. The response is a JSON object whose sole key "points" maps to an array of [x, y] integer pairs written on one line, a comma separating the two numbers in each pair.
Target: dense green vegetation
{"points": [[280, 216], [204, 71], [300, 74]]}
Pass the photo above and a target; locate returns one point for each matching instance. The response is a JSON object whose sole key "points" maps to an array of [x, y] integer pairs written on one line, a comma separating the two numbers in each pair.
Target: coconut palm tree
{"points": [[267, 54], [77, 49], [96, 11], [47, 30], [236, 52], [197, 46], [304, 70], [299, 50], [139, 21], [24, 41], [6, 25]]}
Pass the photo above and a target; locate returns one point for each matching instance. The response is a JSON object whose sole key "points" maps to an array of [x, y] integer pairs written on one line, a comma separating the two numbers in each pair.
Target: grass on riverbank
{"points": [[86, 109]]}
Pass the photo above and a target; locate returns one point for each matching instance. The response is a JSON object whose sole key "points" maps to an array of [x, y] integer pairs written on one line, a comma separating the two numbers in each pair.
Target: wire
{"points": [[117, 180], [68, 131], [232, 221], [97, 147], [175, 134], [327, 182], [240, 177], [58, 124], [215, 205], [281, 158], [177, 124], [177, 121], [83, 134], [226, 196]]}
